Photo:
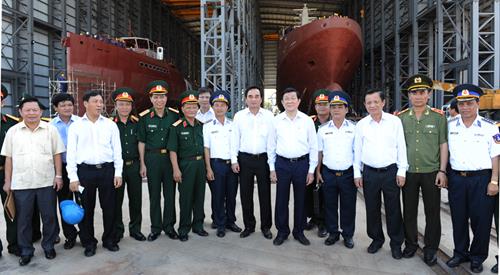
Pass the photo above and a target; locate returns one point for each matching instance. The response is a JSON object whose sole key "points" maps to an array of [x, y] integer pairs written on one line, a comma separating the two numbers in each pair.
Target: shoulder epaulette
{"points": [[402, 112], [173, 110], [134, 118], [46, 119], [487, 120], [453, 119], [145, 112], [12, 117], [439, 111], [175, 124]]}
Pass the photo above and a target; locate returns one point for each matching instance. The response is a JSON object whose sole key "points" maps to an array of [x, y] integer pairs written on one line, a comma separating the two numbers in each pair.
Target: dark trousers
{"points": [[375, 182], [25, 200], [69, 230], [431, 196], [93, 179], [224, 189], [191, 195], [290, 173], [133, 182], [339, 184], [469, 202], [250, 167], [316, 218]]}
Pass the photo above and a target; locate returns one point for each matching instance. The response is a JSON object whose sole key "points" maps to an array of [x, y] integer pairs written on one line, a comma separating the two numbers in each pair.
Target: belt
{"points": [[256, 156], [381, 169], [294, 159], [226, 161], [1, 168], [193, 158], [129, 162], [158, 150], [472, 173], [96, 166], [340, 173]]}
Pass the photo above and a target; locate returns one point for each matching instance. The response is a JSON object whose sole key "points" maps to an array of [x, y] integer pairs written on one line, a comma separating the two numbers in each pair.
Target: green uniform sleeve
{"points": [[443, 129], [141, 130], [172, 143]]}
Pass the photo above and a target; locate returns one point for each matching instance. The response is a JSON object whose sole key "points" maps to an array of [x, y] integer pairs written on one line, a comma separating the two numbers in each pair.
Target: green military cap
{"points": [[157, 87], [189, 96], [321, 96], [4, 93], [123, 94], [417, 82]]}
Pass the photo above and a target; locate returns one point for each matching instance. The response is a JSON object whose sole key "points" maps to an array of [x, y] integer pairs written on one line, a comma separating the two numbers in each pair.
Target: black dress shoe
{"points": [[396, 253], [69, 243], [246, 233], [221, 233], [279, 240], [302, 239], [267, 233], [409, 252], [348, 242], [373, 248], [430, 258], [183, 238], [456, 261], [310, 225], [57, 240], [172, 234], [332, 239], [322, 231], [14, 250], [201, 232], [494, 269], [24, 260], [111, 247], [138, 236], [233, 227], [89, 251], [50, 254], [476, 267], [213, 225], [153, 236]]}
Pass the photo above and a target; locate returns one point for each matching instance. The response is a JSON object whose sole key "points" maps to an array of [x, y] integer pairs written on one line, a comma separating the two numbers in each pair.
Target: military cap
{"points": [[189, 96], [123, 94], [466, 92], [321, 96], [157, 87], [4, 93], [339, 97], [417, 82], [220, 96], [29, 98]]}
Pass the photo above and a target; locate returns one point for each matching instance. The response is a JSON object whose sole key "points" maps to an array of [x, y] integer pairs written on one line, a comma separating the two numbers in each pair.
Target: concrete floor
{"points": [[213, 255]]}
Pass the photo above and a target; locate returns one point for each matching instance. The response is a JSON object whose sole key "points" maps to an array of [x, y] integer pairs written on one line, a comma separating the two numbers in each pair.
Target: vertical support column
{"points": [[397, 56], [372, 44], [474, 68], [496, 30]]}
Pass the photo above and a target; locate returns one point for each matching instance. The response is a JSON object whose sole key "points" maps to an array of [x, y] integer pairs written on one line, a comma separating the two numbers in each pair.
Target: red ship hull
{"points": [[95, 64], [322, 54]]}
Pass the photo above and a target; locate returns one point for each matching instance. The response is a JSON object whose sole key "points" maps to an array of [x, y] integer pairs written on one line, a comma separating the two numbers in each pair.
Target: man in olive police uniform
{"points": [[185, 145], [152, 133], [127, 124], [425, 131], [473, 179]]}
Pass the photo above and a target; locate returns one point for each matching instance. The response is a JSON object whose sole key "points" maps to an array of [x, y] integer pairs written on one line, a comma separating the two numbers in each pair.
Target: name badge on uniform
{"points": [[348, 132], [453, 133], [478, 135], [152, 126], [184, 133], [328, 133], [430, 126], [214, 132], [496, 138]]}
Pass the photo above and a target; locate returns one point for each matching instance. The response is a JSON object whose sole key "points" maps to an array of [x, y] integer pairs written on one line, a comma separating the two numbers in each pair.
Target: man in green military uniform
{"points": [[185, 145], [425, 131], [127, 124], [152, 133]]}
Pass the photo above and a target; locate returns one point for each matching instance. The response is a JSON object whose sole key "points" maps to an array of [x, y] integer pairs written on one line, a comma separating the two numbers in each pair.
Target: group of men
{"points": [[326, 154]]}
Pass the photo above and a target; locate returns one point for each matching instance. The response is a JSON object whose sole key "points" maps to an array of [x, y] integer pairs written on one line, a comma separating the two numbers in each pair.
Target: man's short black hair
{"points": [[61, 97], [89, 94], [204, 90], [291, 90], [261, 92], [31, 99], [373, 91]]}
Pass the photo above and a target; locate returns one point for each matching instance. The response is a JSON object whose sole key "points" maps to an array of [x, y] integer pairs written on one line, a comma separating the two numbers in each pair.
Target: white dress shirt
{"points": [[472, 148], [337, 144], [249, 132], [205, 117], [292, 138], [217, 138], [380, 144], [93, 143]]}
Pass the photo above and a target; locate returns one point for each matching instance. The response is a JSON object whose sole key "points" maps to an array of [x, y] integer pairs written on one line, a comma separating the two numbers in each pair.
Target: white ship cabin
{"points": [[143, 46]]}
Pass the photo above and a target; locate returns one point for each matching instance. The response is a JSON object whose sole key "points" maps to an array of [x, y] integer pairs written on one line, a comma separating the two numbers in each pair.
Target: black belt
{"points": [[226, 161], [129, 162], [472, 173], [340, 173], [256, 156], [159, 150], [381, 169], [96, 166], [294, 159], [199, 157]]}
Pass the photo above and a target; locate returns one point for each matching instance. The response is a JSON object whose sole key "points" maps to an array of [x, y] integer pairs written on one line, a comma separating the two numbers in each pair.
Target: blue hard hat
{"points": [[71, 212]]}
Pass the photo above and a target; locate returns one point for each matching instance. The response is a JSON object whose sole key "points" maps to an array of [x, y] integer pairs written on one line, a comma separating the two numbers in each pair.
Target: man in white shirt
{"points": [[205, 113], [336, 156], [293, 155], [380, 152], [250, 129], [94, 161], [33, 171]]}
